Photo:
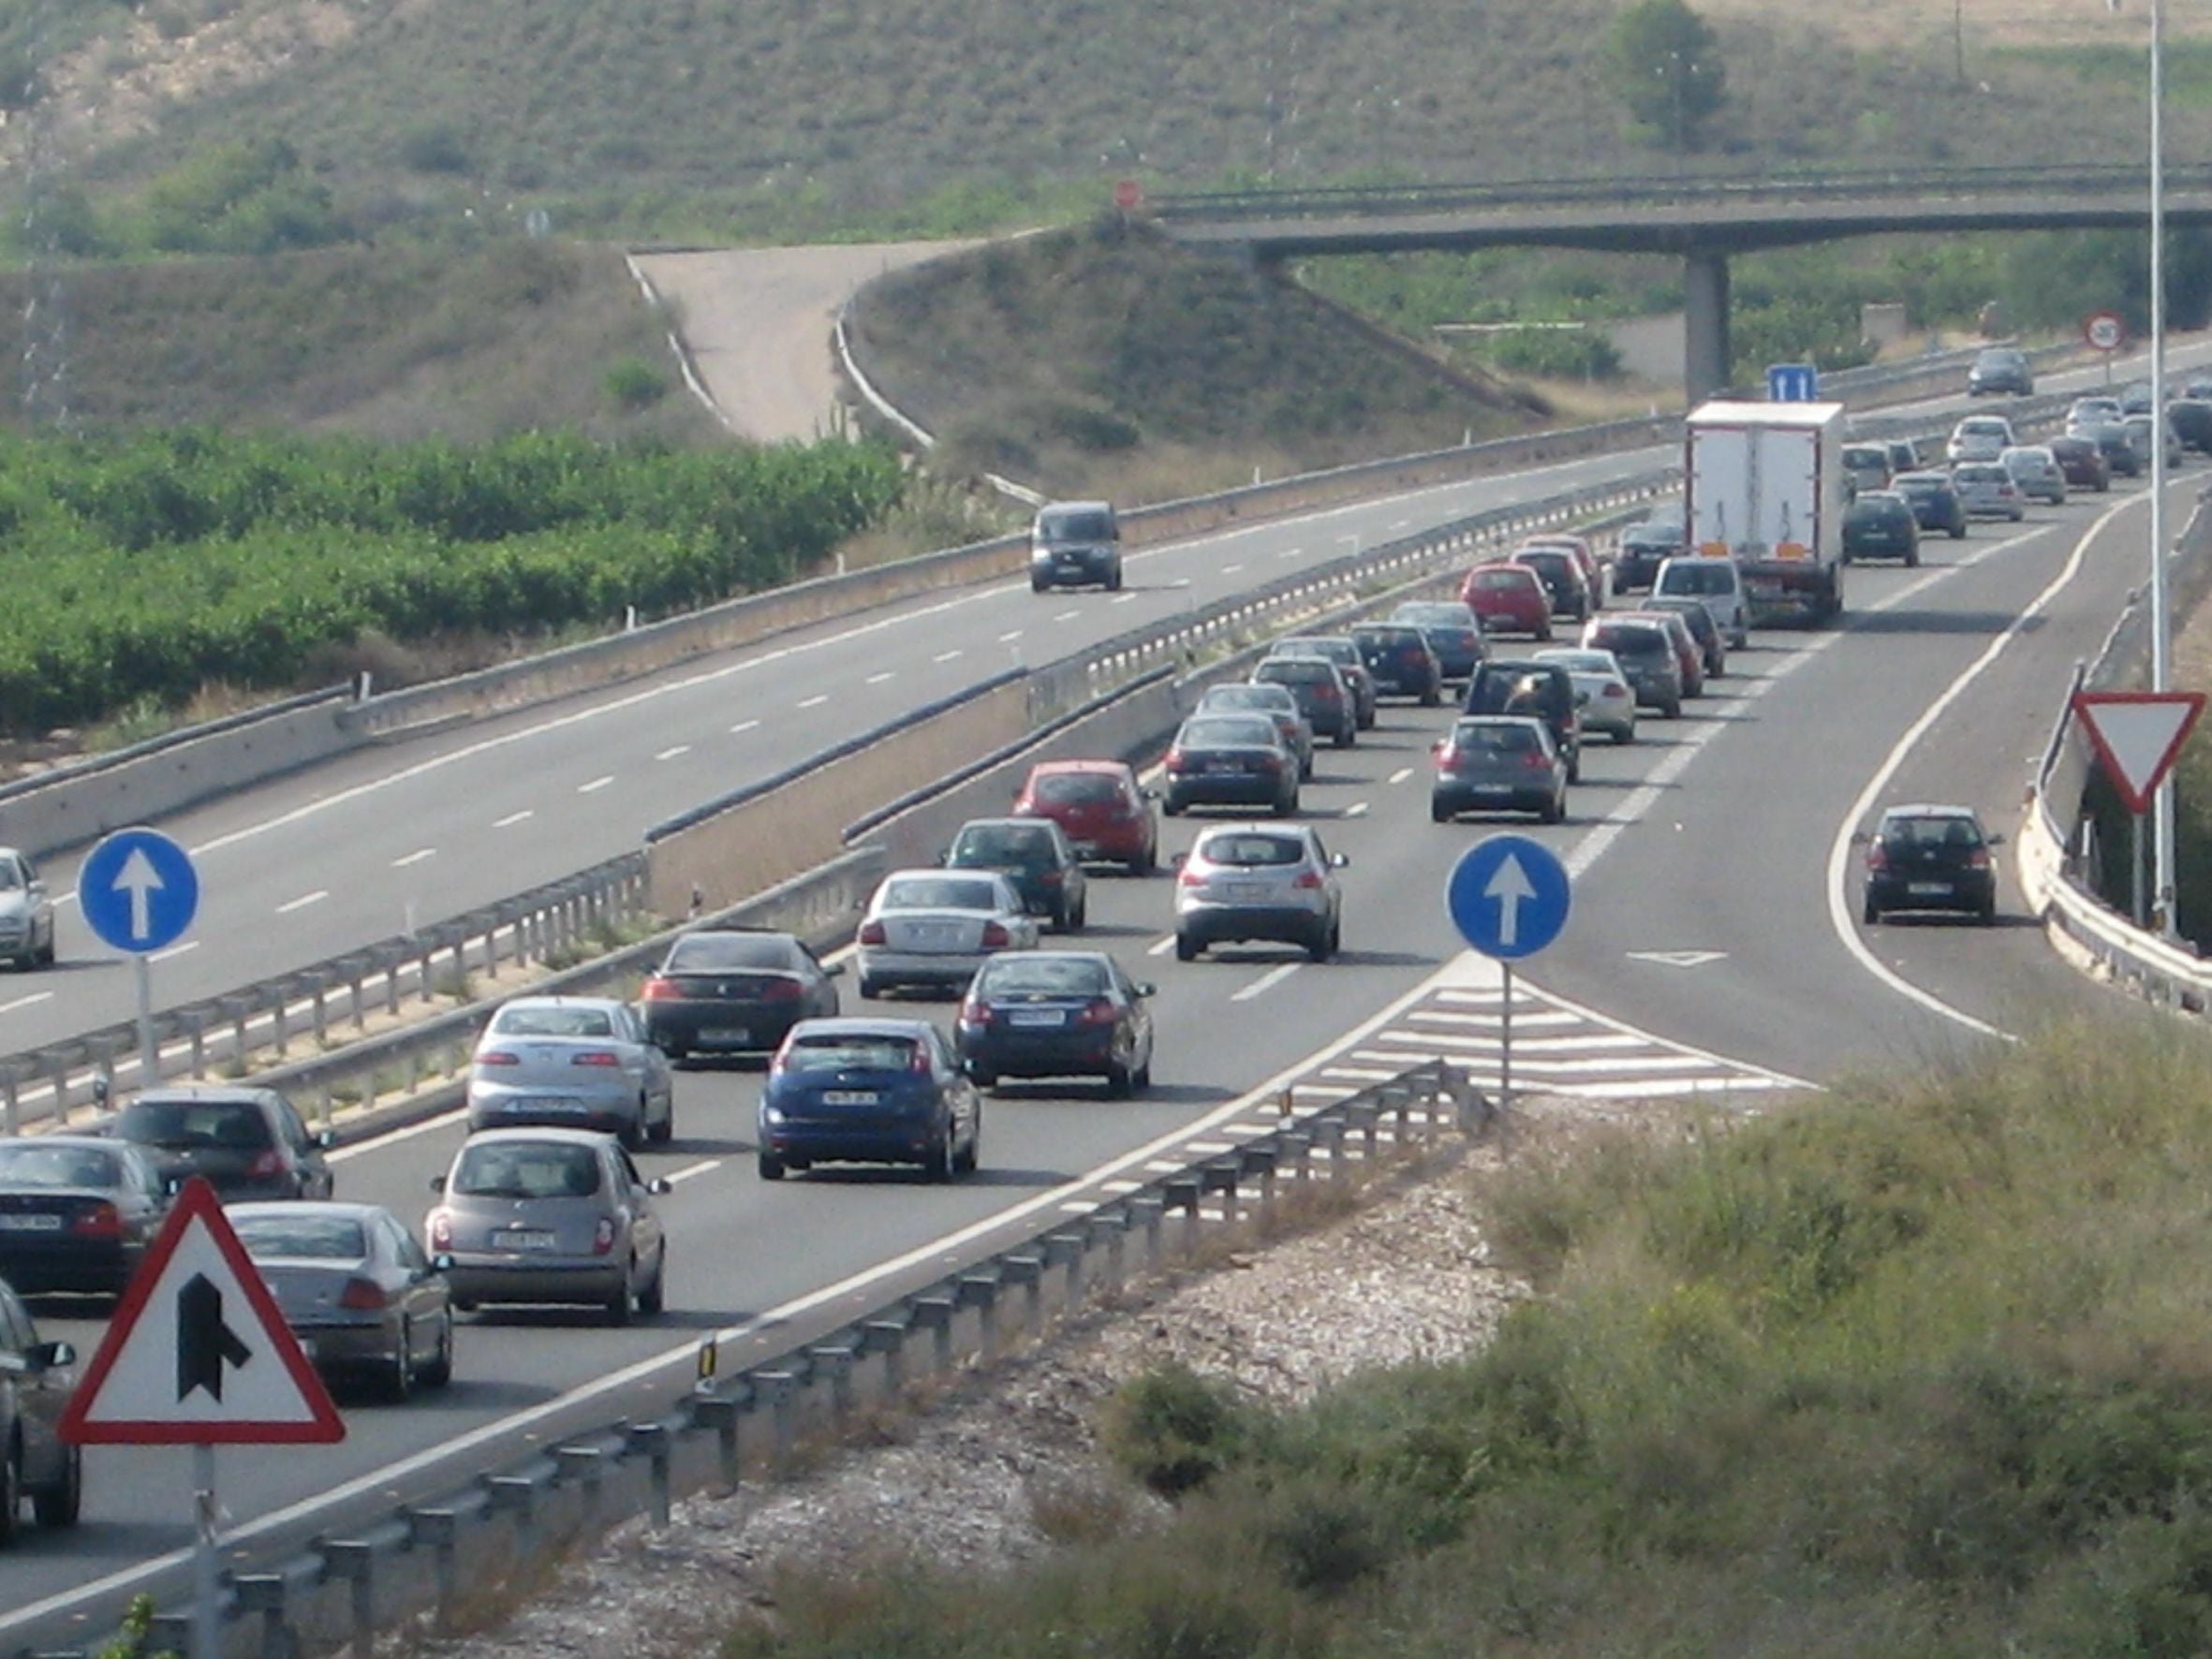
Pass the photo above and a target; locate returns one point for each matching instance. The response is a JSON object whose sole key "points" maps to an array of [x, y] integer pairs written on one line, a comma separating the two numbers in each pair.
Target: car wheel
{"points": [[1037, 584], [966, 1161], [1083, 914], [620, 1301], [1554, 811], [1173, 806], [46, 957], [1627, 734], [1672, 708], [1114, 582], [1145, 864], [1143, 1080], [1306, 769], [1186, 949], [982, 1077], [772, 1166], [1439, 812], [1284, 805], [1869, 913], [632, 1136], [11, 1493], [655, 1297], [1323, 945], [1432, 697], [1345, 737], [439, 1371], [869, 990], [660, 1134], [1913, 560], [1120, 1083], [1544, 631], [1574, 768], [938, 1164], [59, 1505], [399, 1377], [1958, 533], [1987, 914]]}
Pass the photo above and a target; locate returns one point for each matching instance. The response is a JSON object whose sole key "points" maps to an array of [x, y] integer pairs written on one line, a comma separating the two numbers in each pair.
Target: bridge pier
{"points": [[1705, 354]]}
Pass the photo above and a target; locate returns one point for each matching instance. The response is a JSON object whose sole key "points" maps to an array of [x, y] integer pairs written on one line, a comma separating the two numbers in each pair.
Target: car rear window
{"points": [[1717, 576], [1924, 833], [1503, 579], [1074, 789], [1437, 616], [1336, 651], [1075, 527], [1227, 731], [526, 1169], [1631, 637], [1002, 844], [1251, 850], [862, 1051], [714, 953], [933, 892], [1497, 737], [31, 1164], [1982, 475], [1028, 974], [545, 1022], [301, 1237], [179, 1124], [1294, 671]]}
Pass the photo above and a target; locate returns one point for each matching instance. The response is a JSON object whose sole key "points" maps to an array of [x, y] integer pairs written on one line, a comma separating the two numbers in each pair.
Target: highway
{"points": [[1713, 838]]}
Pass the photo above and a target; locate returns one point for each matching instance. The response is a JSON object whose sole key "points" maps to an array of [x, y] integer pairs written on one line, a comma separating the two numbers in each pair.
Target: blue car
{"points": [[861, 1090]]}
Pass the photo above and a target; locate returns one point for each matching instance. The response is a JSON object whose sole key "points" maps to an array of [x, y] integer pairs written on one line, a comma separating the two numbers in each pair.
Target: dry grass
{"points": [[1921, 23]]}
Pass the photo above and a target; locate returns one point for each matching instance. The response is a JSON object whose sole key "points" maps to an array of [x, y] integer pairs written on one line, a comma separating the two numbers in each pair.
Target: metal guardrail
{"points": [[429, 1558], [1356, 199]]}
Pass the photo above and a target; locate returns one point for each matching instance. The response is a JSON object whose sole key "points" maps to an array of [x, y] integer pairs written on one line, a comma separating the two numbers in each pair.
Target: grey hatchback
{"points": [[1498, 763], [249, 1143]]}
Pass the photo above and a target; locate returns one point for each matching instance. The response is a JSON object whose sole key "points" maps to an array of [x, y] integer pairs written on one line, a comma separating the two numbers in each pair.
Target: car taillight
{"points": [[441, 1230], [996, 936], [1617, 691], [1309, 878], [1187, 878], [871, 932], [362, 1296], [975, 1013], [1177, 760], [919, 1064], [101, 1221], [1447, 756], [266, 1163], [596, 1057], [780, 990], [1978, 859], [1326, 693], [603, 1236], [1876, 857], [497, 1057], [1534, 760], [1269, 762], [1098, 1011], [1051, 878], [658, 990]]}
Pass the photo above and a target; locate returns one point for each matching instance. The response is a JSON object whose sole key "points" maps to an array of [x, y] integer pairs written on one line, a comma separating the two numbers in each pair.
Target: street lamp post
{"points": [[2161, 621]]}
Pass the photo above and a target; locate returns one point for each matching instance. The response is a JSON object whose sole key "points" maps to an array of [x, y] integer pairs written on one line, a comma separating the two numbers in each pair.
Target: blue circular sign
{"points": [[137, 890], [1507, 896]]}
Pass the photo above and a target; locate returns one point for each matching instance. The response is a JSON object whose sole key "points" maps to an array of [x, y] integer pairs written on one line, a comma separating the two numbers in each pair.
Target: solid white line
{"points": [[414, 857], [815, 701], [304, 900], [695, 1169], [879, 678], [945, 656], [595, 785], [511, 820], [1266, 982], [743, 725], [1401, 774], [1161, 948], [25, 1002], [673, 750], [174, 951]]}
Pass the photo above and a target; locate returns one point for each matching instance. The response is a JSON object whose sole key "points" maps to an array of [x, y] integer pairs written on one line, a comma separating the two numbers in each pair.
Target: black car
{"points": [[2137, 398], [1560, 572], [1232, 761], [1055, 1014], [1930, 857], [2191, 420], [1075, 542], [1935, 502], [1545, 690], [1400, 661], [1880, 524], [77, 1212], [2000, 369], [37, 1379], [734, 991], [1647, 659], [2121, 457], [1642, 548], [249, 1143], [1034, 854], [1323, 697], [1712, 648], [1453, 632]]}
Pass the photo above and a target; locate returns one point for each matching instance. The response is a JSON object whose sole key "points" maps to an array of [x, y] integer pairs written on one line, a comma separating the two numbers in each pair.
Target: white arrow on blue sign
{"points": [[1509, 896], [1792, 383], [137, 890]]}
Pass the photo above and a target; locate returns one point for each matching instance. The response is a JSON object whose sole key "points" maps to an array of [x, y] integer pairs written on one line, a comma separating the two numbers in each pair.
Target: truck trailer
{"points": [[1765, 485]]}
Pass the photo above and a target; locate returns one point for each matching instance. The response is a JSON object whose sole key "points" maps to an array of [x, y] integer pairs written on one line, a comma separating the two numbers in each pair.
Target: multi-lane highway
{"points": [[1712, 839]]}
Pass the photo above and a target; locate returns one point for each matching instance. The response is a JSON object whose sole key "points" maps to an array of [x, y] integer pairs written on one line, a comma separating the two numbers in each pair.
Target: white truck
{"points": [[1765, 485]]}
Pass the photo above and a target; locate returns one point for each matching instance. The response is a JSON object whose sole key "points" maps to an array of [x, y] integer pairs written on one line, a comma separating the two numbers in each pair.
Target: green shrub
{"points": [[1173, 1429], [635, 384]]}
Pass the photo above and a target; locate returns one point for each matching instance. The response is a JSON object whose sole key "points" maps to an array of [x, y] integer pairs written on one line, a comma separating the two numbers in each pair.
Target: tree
{"points": [[1664, 61]]}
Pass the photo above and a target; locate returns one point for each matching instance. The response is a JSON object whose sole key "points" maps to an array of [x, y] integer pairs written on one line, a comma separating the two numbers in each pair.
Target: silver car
{"points": [[1607, 700], [577, 1062], [1979, 438], [2035, 472], [934, 928], [549, 1216], [359, 1293], [1988, 491], [1242, 698], [1272, 882], [27, 913]]}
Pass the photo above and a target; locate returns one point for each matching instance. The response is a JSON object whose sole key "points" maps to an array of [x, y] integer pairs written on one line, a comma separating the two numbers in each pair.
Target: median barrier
{"points": [[430, 1565]]}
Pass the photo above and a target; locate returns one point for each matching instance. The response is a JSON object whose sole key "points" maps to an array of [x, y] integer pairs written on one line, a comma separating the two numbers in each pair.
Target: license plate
{"points": [[30, 1224], [546, 1103], [925, 933], [848, 1097], [1036, 1017], [1763, 590], [726, 1034], [1224, 766], [1247, 889], [1927, 889], [523, 1239]]}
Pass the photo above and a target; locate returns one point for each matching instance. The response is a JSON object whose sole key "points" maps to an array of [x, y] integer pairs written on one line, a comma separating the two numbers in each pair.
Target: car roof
{"points": [[523, 1137], [561, 1001], [1929, 810], [1061, 767], [1528, 720], [864, 1025], [1035, 826], [937, 871], [81, 1144], [340, 1209], [1017, 958], [167, 1092]]}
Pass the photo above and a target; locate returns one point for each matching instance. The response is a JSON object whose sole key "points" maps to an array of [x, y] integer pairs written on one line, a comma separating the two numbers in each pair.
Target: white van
{"points": [[1718, 582]]}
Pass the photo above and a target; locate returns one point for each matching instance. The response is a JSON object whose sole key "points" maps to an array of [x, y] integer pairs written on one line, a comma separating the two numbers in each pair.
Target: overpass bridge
{"points": [[1703, 219]]}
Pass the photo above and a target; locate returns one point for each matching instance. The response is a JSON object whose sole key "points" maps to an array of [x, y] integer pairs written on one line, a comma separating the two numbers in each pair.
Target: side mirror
{"points": [[441, 1263], [324, 1140], [834, 971], [1997, 840], [660, 1186], [101, 1090], [1340, 862], [1149, 794], [1436, 747], [59, 1354], [1860, 838], [437, 1184], [1176, 862], [1145, 987]]}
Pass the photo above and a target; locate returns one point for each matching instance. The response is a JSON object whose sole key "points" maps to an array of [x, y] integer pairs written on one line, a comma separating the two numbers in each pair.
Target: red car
{"points": [[1687, 653], [1099, 807], [1509, 599], [1579, 545]]}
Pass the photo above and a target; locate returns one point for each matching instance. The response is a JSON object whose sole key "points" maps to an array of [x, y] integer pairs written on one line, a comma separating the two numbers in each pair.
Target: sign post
{"points": [[139, 893], [2104, 331], [2137, 736], [200, 1355], [1509, 896]]}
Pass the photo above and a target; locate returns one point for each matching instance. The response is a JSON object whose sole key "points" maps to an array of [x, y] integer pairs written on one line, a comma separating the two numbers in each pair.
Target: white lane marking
{"points": [[1266, 982], [25, 1002], [171, 953], [1231, 569], [742, 726], [673, 750], [1010, 635], [683, 1175], [1165, 946], [1292, 553], [304, 900], [595, 785], [511, 820], [1358, 809], [1400, 523], [1839, 850], [879, 678], [815, 701], [415, 856], [1401, 774], [1068, 616], [945, 656], [1125, 598]]}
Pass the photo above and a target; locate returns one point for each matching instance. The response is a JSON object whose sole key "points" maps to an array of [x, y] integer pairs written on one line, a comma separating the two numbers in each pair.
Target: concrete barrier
{"points": [[783, 826], [75, 804]]}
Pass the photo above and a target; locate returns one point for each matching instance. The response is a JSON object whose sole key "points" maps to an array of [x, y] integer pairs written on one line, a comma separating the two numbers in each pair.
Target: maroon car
{"points": [[1101, 809], [2082, 460], [1509, 598]]}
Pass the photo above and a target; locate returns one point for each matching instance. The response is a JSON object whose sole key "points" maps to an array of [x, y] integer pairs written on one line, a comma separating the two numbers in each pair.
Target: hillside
{"points": [[1100, 359], [795, 119]]}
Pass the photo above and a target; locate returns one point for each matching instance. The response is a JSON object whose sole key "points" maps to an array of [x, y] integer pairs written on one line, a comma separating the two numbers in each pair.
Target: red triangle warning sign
{"points": [[2137, 735], [198, 1353]]}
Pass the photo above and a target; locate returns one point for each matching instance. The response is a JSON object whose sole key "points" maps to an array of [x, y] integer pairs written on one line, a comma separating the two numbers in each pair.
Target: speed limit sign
{"points": [[2104, 331]]}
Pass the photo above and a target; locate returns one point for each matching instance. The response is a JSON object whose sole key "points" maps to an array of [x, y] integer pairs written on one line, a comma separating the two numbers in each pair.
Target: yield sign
{"points": [[198, 1352], [2136, 735]]}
